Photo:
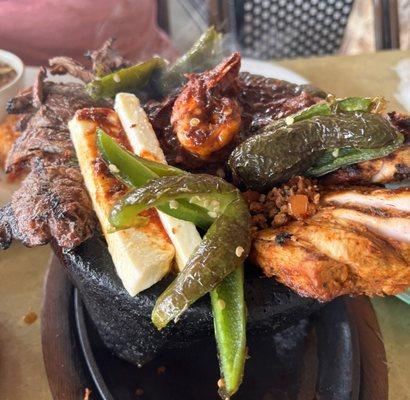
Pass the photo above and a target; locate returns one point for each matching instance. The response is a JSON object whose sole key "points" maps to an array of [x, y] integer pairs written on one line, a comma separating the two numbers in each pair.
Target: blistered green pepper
{"points": [[337, 158], [278, 153], [204, 54], [212, 268], [136, 171], [128, 79], [331, 106], [365, 104]]}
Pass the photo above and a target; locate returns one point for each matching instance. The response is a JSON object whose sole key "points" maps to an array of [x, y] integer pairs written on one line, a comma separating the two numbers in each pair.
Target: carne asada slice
{"points": [[66, 65], [52, 203], [104, 61]]}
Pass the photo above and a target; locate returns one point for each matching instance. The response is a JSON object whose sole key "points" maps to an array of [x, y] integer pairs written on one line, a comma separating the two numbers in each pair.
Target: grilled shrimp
{"points": [[206, 115]]}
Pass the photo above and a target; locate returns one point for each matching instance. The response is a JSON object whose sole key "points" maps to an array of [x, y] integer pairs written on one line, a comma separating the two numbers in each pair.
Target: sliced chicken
{"points": [[389, 227], [358, 243], [363, 197]]}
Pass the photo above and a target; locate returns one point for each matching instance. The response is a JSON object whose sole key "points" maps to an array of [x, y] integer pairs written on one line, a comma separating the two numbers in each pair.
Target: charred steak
{"points": [[52, 203]]}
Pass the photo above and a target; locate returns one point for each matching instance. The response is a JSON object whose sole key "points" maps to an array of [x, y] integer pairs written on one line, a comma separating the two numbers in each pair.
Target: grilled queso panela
{"points": [[143, 255]]}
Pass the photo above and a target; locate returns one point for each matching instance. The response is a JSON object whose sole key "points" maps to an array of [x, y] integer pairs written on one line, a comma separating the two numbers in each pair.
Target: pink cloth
{"points": [[36, 30]]}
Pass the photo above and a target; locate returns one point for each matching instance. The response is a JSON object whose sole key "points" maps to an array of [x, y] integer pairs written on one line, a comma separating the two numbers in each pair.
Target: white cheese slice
{"points": [[141, 256], [144, 142]]}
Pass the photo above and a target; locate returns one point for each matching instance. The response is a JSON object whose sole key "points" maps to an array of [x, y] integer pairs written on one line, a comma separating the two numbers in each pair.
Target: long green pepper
{"points": [[135, 171], [216, 266]]}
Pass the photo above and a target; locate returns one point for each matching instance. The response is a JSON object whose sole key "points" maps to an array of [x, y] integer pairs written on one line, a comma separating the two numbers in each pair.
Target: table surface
{"points": [[22, 270]]}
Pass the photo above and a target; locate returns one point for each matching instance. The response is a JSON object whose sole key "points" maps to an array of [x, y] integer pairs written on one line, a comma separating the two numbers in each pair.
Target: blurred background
{"points": [[274, 29], [263, 29]]}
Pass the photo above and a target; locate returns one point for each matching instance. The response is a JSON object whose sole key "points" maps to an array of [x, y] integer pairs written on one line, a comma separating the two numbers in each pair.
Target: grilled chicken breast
{"points": [[358, 243]]}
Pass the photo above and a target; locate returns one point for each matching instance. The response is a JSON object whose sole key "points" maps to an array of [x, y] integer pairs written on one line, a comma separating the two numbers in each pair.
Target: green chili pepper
{"points": [[276, 154], [348, 104], [223, 248], [204, 54], [136, 171], [332, 160], [228, 305], [128, 79], [307, 113], [221, 252], [125, 212], [365, 104]]}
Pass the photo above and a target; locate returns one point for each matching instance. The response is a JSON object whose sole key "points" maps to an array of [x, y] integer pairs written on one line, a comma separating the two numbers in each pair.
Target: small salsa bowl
{"points": [[11, 88]]}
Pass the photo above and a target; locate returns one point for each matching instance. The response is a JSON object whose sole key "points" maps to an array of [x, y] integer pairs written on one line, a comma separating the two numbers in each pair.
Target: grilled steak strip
{"points": [[66, 65], [266, 99], [46, 134], [104, 61], [51, 202]]}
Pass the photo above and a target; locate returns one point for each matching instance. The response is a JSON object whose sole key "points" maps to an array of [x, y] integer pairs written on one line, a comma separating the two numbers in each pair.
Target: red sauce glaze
{"points": [[108, 121]]}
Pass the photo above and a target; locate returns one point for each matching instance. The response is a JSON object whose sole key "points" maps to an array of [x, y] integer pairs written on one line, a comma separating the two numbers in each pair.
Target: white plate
{"points": [[271, 70]]}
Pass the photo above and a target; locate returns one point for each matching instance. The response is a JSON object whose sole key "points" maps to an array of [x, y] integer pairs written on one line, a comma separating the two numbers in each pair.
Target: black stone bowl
{"points": [[124, 322]]}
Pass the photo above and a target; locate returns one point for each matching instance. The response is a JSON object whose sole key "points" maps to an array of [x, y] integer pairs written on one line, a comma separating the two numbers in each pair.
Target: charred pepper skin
{"points": [[229, 310], [278, 153], [216, 257], [335, 159], [216, 266], [160, 191]]}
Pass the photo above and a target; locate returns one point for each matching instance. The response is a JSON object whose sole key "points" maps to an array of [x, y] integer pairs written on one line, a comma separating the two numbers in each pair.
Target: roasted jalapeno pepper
{"points": [[212, 268], [229, 310], [278, 153], [227, 299]]}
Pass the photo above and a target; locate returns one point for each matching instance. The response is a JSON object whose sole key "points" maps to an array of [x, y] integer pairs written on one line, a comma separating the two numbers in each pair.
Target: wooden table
{"points": [[22, 270]]}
